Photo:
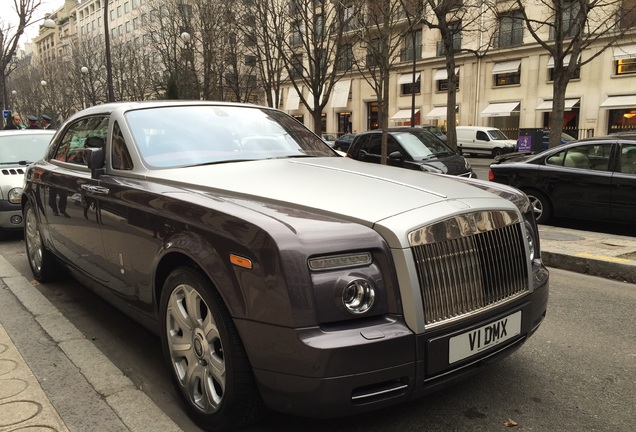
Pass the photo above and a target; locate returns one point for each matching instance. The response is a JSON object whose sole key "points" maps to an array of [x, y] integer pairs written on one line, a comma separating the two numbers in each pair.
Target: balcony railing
{"points": [[410, 54], [441, 49], [509, 38]]}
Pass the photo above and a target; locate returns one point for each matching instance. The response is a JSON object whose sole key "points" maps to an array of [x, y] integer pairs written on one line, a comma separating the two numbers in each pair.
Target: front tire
{"points": [[41, 261], [541, 206], [204, 352]]}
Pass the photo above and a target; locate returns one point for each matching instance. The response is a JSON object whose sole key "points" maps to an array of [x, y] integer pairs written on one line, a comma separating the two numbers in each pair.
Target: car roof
{"points": [[27, 132]]}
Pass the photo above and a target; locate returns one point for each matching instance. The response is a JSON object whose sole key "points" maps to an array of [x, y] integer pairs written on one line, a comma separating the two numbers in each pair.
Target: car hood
{"points": [[361, 192], [452, 164]]}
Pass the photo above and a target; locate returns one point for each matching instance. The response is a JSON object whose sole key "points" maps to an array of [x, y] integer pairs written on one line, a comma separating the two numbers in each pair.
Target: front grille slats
{"points": [[467, 272]]}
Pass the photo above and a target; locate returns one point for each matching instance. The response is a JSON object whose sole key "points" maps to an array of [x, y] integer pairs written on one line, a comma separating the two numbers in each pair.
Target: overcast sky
{"points": [[9, 15]]}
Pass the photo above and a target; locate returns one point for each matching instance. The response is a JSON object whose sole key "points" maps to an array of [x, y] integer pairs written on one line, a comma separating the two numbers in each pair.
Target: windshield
{"points": [[496, 134], [170, 137], [28, 147], [421, 145]]}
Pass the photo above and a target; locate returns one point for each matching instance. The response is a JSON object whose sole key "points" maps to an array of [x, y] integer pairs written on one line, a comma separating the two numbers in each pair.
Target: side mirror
{"points": [[396, 156], [94, 142], [95, 159]]}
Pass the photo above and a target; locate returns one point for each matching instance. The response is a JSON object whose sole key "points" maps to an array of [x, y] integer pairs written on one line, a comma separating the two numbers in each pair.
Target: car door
{"points": [[72, 218], [578, 181], [624, 184], [482, 142]]}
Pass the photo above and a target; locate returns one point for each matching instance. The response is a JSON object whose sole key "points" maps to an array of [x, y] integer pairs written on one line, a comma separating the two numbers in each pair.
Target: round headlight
{"points": [[14, 195], [358, 296]]}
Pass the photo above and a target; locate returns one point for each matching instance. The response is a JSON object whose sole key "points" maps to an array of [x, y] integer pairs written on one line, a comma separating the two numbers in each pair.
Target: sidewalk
{"points": [[53, 378]]}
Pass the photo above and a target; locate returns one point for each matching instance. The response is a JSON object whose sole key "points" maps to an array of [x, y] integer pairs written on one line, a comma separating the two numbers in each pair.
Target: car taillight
{"points": [[491, 176]]}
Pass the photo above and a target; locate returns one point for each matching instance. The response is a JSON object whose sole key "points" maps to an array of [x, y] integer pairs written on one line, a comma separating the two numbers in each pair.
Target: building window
{"points": [[296, 67], [412, 52], [348, 19], [626, 66], [319, 31], [456, 29], [250, 60], [296, 36], [345, 60], [121, 29], [577, 73], [114, 32], [510, 30], [127, 26], [126, 7], [411, 88], [442, 85], [135, 3], [112, 15], [118, 11], [570, 25], [135, 23], [509, 78]]}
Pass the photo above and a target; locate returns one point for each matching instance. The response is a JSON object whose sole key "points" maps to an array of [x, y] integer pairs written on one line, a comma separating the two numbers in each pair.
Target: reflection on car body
{"points": [[269, 284], [589, 179]]}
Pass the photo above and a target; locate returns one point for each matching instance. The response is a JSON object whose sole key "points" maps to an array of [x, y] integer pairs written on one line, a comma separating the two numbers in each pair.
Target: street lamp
{"points": [[185, 37], [109, 64], [84, 71]]}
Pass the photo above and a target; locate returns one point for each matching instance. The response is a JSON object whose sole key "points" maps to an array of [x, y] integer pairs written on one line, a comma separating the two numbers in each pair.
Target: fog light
{"points": [[16, 219], [358, 296]]}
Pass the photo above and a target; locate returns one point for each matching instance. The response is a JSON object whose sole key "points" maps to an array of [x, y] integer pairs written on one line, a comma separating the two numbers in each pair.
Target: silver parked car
{"points": [[17, 149]]}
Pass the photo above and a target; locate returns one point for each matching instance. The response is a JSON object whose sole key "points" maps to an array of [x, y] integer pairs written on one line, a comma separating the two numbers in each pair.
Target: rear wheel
{"points": [[41, 261], [541, 206], [205, 354], [497, 152]]}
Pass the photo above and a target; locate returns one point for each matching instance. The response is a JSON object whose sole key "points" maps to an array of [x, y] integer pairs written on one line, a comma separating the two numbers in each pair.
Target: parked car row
{"points": [[271, 285]]}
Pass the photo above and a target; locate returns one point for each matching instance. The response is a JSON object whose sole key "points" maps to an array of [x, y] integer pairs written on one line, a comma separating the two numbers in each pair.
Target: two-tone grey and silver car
{"points": [[269, 283]]}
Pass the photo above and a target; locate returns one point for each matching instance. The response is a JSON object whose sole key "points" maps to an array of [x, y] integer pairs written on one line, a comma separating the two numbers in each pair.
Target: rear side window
{"points": [[121, 159], [72, 144]]}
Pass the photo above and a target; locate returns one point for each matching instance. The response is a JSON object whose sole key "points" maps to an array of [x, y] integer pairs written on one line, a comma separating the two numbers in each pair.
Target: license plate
{"points": [[483, 338]]}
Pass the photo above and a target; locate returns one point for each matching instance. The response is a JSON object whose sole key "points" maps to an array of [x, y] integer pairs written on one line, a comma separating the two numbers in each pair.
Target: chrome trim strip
{"points": [[381, 392]]}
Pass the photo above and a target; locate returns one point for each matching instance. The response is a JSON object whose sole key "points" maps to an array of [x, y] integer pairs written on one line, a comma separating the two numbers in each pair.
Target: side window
{"points": [[482, 136], [590, 157], [72, 145], [373, 145], [392, 146], [556, 159], [628, 159], [121, 159]]}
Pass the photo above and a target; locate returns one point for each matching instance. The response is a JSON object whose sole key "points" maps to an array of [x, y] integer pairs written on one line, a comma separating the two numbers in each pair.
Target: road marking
{"points": [[604, 258]]}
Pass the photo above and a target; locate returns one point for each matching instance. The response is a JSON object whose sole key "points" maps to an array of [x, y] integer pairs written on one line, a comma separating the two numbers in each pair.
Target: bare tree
{"points": [[265, 21], [317, 52], [381, 27], [566, 28], [462, 28], [10, 36]]}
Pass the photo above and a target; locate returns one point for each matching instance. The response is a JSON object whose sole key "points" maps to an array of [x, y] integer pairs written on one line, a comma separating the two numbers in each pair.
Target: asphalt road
{"points": [[578, 372]]}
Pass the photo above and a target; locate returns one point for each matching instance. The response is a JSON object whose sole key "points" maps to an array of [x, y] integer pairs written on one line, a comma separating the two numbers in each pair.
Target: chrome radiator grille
{"points": [[470, 262]]}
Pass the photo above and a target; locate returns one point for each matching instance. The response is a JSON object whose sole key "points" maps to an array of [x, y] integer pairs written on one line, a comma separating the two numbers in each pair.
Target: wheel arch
{"points": [[531, 190]]}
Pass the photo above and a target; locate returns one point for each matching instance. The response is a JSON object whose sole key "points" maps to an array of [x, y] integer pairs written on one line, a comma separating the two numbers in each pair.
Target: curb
{"points": [[593, 265], [115, 403]]}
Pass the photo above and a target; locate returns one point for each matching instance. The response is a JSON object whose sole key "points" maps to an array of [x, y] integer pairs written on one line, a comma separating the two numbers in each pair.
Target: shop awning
{"points": [[404, 114], [437, 113], [408, 78], [617, 102], [546, 105], [340, 95], [625, 52], [566, 61], [293, 99], [506, 67], [441, 74], [499, 109]]}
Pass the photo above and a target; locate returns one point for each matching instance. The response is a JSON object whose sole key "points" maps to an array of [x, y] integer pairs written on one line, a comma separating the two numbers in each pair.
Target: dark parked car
{"points": [[412, 148], [589, 179], [17, 149], [343, 142], [270, 285]]}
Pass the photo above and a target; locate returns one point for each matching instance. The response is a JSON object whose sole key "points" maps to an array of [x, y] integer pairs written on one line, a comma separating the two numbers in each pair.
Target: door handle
{"points": [[100, 190]]}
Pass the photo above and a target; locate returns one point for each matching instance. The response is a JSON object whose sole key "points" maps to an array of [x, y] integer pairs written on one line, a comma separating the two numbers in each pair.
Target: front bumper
{"points": [[330, 372], [10, 216]]}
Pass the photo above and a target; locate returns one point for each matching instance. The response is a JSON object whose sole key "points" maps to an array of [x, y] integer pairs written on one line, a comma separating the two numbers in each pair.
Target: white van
{"points": [[483, 140]]}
